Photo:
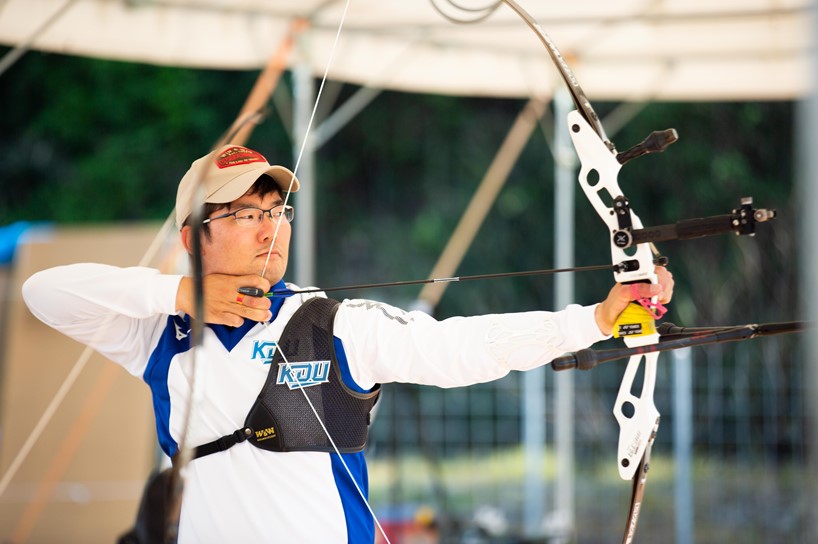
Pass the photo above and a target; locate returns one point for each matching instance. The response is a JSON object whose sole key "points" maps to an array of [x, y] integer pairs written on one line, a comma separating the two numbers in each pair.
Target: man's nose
{"points": [[267, 226]]}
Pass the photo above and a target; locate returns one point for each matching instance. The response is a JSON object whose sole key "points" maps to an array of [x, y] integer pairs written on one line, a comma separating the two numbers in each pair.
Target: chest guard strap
{"points": [[281, 419]]}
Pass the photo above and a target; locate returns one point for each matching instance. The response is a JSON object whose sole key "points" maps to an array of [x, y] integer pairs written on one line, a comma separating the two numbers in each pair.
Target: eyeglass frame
{"points": [[285, 209]]}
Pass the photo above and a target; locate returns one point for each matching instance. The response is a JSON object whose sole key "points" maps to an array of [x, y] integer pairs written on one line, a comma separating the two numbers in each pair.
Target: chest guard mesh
{"points": [[281, 419]]}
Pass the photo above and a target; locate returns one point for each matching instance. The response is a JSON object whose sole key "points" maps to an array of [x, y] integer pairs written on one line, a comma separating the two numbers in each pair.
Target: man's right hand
{"points": [[223, 304]]}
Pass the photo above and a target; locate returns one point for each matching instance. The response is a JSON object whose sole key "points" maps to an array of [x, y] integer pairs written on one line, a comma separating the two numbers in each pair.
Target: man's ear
{"points": [[186, 240]]}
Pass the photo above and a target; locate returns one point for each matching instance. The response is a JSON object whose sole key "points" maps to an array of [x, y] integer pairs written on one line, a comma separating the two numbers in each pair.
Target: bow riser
{"points": [[637, 416], [598, 178]]}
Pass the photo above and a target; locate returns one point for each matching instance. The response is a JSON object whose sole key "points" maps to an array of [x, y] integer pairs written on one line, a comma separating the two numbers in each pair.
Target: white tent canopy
{"points": [[623, 50]]}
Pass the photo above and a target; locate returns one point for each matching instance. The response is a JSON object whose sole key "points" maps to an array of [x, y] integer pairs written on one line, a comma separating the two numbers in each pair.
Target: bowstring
{"points": [[267, 260]]}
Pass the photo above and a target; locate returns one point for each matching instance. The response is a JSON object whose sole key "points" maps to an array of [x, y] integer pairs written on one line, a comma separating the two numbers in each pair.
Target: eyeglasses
{"points": [[250, 217]]}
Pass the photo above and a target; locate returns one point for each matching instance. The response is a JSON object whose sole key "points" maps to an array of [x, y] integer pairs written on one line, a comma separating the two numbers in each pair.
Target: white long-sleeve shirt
{"points": [[246, 494]]}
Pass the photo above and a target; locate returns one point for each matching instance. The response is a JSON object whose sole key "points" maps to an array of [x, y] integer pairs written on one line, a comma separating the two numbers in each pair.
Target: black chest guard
{"points": [[281, 419]]}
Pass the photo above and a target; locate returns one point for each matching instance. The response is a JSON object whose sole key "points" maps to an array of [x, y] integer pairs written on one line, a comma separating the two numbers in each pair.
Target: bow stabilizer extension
{"points": [[742, 221], [672, 337]]}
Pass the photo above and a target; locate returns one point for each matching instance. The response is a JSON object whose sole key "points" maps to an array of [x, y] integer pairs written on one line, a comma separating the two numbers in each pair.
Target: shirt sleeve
{"points": [[114, 310], [386, 344]]}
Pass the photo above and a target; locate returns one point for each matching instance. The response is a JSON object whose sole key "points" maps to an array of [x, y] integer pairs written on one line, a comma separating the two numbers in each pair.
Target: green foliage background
{"points": [[94, 141]]}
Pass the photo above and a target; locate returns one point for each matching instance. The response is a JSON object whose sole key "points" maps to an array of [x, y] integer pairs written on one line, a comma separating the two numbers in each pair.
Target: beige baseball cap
{"points": [[225, 174]]}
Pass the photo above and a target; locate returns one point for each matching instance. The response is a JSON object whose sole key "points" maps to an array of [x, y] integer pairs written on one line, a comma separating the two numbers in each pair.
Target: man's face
{"points": [[236, 250]]}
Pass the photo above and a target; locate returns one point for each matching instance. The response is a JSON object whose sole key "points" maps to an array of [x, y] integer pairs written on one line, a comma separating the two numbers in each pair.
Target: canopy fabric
{"points": [[622, 50]]}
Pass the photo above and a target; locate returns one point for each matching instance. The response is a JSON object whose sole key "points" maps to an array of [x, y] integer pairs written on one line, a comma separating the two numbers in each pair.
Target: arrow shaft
{"points": [[543, 272]]}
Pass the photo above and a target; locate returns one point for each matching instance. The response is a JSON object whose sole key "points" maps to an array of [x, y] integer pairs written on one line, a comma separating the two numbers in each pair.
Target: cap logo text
{"points": [[237, 155]]}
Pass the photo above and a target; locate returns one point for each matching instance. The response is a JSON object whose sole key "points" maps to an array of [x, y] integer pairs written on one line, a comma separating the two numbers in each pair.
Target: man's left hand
{"points": [[621, 295]]}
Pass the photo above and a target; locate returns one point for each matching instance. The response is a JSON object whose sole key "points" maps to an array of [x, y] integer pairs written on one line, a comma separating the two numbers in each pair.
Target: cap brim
{"points": [[285, 179], [239, 185]]}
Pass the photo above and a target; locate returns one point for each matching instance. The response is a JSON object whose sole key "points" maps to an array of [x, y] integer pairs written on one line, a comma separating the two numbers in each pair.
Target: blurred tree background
{"points": [[94, 141], [91, 141]]}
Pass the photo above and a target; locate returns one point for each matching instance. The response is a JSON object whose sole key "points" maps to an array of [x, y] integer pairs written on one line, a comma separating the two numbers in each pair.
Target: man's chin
{"points": [[273, 276]]}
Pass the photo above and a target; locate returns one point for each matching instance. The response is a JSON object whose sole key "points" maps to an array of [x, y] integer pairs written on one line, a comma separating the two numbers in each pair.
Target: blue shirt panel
{"points": [[343, 364], [156, 376], [359, 520]]}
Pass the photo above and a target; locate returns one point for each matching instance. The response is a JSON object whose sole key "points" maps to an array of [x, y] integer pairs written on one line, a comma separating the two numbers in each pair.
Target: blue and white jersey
{"points": [[246, 494]]}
